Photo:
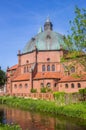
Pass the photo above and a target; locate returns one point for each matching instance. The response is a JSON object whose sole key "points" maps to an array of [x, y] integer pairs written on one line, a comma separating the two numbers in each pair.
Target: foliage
{"points": [[76, 40], [74, 110], [83, 94], [33, 90], [45, 89], [82, 91], [48, 89], [2, 77], [75, 75], [59, 97], [9, 127], [58, 94]]}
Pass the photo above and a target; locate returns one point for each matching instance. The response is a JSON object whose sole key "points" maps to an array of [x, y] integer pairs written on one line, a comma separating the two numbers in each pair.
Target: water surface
{"points": [[36, 121]]}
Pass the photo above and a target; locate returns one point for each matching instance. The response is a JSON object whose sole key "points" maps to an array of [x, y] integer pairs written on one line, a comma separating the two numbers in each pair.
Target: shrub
{"points": [[59, 97], [9, 127], [58, 94], [33, 90], [82, 93], [43, 90]]}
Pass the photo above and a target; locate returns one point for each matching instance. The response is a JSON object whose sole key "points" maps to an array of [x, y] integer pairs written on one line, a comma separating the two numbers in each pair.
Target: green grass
{"points": [[9, 127], [73, 110]]}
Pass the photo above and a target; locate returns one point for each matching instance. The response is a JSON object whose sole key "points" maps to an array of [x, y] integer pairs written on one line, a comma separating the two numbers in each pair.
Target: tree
{"points": [[76, 40], [2, 77]]}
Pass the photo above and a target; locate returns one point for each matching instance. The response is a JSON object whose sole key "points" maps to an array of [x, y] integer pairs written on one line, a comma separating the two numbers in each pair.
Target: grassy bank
{"points": [[73, 110], [8, 127]]}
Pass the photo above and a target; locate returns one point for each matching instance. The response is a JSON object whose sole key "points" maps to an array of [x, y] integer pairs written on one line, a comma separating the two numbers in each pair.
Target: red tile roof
{"points": [[22, 77], [48, 75], [73, 79], [13, 67]]}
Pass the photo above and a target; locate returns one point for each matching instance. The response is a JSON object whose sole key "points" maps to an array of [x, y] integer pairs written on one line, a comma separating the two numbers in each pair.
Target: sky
{"points": [[20, 20]]}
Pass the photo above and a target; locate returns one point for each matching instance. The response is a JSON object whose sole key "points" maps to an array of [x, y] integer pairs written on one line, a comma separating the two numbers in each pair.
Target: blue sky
{"points": [[21, 19]]}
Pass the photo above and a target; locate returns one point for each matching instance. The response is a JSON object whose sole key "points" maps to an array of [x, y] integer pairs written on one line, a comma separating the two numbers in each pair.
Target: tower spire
{"points": [[48, 19], [40, 30], [48, 25]]}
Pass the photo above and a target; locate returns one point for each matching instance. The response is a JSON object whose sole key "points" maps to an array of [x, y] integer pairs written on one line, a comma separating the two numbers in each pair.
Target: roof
{"points": [[13, 67], [48, 75], [45, 40], [22, 77], [73, 79]]}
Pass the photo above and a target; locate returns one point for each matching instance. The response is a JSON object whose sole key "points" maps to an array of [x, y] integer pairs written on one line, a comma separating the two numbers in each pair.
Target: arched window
{"points": [[43, 67], [48, 68], [48, 85], [42, 85], [24, 69], [53, 67], [20, 85], [27, 62], [26, 85], [66, 85], [27, 69], [72, 85], [79, 85], [72, 69], [55, 84], [15, 85]]}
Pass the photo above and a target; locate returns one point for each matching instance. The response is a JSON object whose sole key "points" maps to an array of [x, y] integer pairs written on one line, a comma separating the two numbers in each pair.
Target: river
{"points": [[39, 121]]}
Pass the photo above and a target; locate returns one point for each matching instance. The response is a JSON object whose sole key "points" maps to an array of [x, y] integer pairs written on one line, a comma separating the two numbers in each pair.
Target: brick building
{"points": [[39, 65]]}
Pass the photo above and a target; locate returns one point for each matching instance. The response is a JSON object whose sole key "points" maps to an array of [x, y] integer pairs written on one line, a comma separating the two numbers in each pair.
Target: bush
{"points": [[82, 93], [59, 97], [43, 90], [33, 90], [58, 94], [9, 127]]}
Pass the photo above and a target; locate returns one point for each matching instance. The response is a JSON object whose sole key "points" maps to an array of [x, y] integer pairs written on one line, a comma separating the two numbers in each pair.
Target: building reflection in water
{"points": [[36, 121]]}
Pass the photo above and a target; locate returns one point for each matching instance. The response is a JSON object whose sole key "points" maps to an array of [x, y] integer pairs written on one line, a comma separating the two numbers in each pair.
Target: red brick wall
{"points": [[62, 88], [23, 89], [30, 57]]}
